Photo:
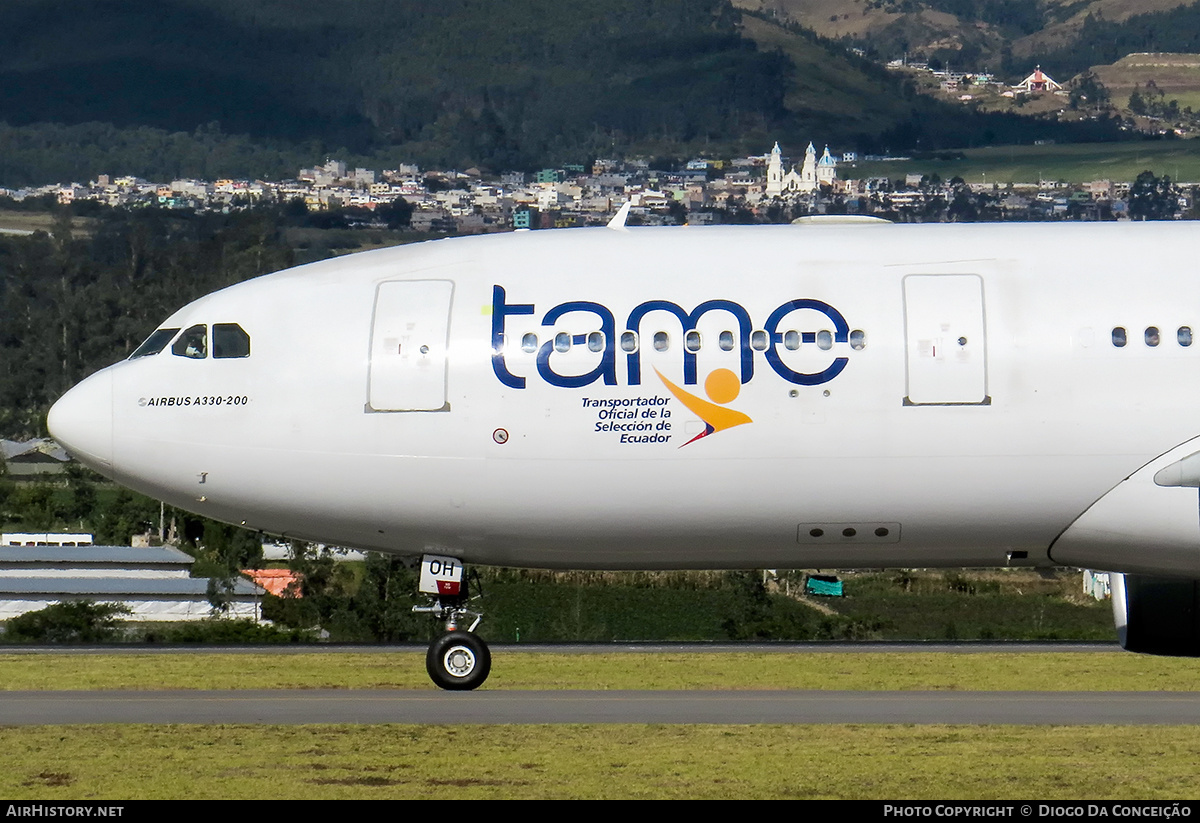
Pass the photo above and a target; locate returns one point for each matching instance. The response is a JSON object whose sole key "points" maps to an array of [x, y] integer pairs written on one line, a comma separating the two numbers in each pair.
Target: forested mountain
{"points": [[444, 83], [453, 80]]}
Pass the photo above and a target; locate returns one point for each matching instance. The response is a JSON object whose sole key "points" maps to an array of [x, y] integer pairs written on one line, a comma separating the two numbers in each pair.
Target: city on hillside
{"points": [[771, 187]]}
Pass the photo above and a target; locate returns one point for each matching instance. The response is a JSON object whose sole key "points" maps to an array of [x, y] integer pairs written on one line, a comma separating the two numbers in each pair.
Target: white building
{"points": [[812, 175], [153, 583], [1038, 81]]}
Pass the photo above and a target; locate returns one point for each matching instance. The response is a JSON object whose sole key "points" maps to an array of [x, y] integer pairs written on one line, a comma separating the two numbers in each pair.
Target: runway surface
{"points": [[562, 706], [524, 707]]}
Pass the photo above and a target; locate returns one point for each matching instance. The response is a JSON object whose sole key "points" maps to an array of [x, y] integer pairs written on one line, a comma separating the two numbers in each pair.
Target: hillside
{"points": [[1177, 76], [447, 83], [1000, 35], [1070, 18]]}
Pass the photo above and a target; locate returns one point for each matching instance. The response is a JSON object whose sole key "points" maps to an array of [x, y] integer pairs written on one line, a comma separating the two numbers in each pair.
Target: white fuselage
{"points": [[902, 396]]}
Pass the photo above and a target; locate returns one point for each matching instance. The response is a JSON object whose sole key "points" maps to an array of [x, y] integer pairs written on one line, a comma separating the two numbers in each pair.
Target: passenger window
{"points": [[791, 340], [858, 340], [595, 341], [725, 341], [1118, 337], [1184, 336], [562, 342], [155, 343], [629, 342], [230, 340], [661, 341], [691, 341], [529, 343], [192, 343], [1152, 337], [824, 340], [758, 340]]}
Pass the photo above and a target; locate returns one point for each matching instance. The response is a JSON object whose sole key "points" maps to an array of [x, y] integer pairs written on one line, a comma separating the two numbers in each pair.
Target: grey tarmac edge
{"points": [[858, 647]]}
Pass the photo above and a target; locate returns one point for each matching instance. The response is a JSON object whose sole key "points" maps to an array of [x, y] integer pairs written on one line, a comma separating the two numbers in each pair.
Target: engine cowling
{"points": [[1157, 615]]}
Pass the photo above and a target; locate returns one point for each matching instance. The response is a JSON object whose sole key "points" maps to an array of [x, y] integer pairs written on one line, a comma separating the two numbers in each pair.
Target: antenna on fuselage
{"points": [[618, 221]]}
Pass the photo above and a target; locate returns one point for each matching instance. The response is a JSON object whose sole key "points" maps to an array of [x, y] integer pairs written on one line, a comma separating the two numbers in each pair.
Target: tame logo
{"points": [[722, 386], [765, 340]]}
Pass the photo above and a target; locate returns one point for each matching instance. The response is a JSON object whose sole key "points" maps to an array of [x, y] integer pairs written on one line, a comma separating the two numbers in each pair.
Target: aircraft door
{"points": [[410, 333], [945, 340]]}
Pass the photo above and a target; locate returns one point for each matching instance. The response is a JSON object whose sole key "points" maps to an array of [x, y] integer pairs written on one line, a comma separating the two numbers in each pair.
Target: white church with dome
{"points": [[812, 175]]}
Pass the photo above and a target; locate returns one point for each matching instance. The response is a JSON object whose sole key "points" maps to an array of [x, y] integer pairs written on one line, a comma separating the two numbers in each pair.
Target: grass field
{"points": [[1050, 671], [123, 762], [592, 761], [1073, 163]]}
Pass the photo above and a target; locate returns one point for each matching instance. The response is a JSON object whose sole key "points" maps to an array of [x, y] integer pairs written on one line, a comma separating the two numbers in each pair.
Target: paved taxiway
{"points": [[735, 707]]}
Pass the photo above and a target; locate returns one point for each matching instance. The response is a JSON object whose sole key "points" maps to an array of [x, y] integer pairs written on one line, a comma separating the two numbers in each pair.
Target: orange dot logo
{"points": [[722, 386]]}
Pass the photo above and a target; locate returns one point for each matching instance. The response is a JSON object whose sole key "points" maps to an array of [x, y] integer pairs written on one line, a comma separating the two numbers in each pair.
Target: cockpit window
{"points": [[192, 343], [155, 343], [230, 340]]}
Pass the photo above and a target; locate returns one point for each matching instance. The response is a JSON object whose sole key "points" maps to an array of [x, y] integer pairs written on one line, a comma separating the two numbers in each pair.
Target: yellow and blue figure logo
{"points": [[722, 386]]}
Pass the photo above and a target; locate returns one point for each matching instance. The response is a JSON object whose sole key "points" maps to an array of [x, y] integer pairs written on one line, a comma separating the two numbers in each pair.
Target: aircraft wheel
{"points": [[458, 661]]}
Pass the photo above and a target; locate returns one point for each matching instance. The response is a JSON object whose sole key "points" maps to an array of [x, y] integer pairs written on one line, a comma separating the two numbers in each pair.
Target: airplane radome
{"points": [[831, 394]]}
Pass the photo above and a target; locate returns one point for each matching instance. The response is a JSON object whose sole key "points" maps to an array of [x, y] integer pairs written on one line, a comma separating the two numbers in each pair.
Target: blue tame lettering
{"points": [[608, 360], [501, 310], [606, 369], [841, 334], [688, 322]]}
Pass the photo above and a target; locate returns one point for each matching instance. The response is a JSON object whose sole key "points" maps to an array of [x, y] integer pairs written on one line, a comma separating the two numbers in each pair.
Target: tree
{"points": [[227, 550], [1136, 104], [74, 621], [1088, 89], [1153, 198]]}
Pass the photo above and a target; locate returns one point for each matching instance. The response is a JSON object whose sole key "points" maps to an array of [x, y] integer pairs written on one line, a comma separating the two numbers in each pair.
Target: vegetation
{"points": [[351, 602], [693, 669], [391, 761], [77, 621], [222, 631], [73, 305]]}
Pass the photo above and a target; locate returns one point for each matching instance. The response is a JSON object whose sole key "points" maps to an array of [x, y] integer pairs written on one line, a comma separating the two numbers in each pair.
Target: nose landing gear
{"points": [[458, 660]]}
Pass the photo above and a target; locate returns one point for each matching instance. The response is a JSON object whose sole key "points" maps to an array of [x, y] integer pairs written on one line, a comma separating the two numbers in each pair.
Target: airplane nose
{"points": [[82, 421]]}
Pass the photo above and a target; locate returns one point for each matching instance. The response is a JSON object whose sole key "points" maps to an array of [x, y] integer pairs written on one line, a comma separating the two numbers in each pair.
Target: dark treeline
{"points": [[34, 155], [70, 305], [454, 80]]}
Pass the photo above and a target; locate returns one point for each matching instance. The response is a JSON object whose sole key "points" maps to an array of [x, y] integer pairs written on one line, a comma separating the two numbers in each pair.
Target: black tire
{"points": [[458, 661]]}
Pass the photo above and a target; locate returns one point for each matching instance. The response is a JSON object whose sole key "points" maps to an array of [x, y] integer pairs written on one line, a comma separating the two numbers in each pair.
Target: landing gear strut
{"points": [[458, 660]]}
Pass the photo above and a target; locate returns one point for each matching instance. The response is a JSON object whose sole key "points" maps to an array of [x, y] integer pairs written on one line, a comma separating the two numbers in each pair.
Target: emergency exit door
{"points": [[410, 332], [945, 338]]}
